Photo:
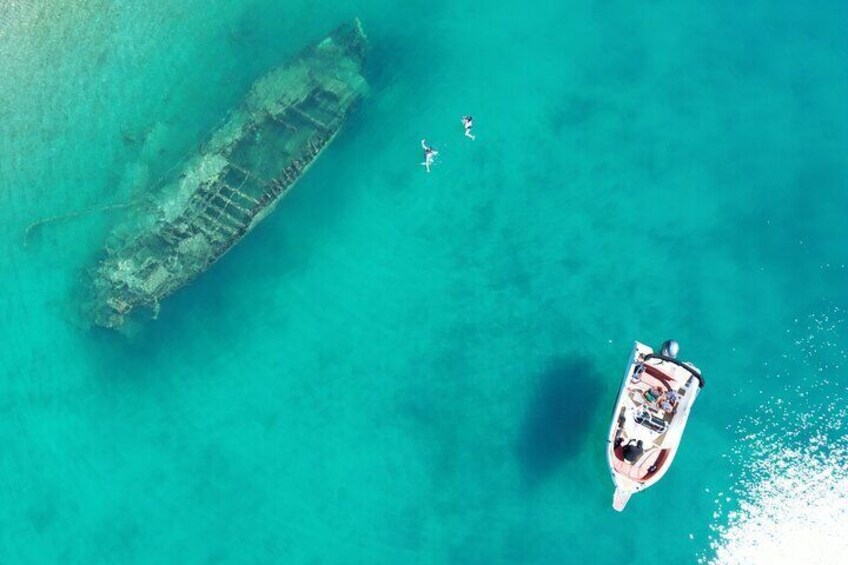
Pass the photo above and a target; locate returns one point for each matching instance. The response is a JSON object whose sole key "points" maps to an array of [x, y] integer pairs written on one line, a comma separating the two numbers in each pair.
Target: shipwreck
{"points": [[234, 180]]}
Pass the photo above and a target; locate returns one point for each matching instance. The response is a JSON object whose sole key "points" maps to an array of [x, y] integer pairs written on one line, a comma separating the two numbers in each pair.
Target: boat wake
{"points": [[792, 493]]}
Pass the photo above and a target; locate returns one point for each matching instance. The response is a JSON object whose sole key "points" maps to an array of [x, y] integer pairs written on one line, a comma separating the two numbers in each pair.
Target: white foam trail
{"points": [[797, 513], [792, 493]]}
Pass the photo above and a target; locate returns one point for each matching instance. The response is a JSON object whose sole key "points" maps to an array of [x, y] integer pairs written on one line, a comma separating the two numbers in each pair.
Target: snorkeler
{"points": [[429, 154], [468, 123]]}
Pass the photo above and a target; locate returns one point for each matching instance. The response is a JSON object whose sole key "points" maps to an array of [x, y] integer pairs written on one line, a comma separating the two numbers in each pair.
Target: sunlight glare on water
{"points": [[790, 502]]}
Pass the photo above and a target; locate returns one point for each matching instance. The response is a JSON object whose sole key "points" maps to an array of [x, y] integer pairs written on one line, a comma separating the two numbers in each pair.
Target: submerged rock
{"points": [[266, 144]]}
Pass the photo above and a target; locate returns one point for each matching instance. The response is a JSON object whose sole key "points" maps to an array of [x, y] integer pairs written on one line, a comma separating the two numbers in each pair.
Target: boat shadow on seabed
{"points": [[557, 417]]}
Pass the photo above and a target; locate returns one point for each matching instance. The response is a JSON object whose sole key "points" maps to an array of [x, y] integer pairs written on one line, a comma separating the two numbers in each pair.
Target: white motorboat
{"points": [[649, 417]]}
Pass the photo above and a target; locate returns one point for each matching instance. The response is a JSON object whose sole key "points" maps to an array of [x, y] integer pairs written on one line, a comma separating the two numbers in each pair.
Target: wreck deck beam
{"points": [[317, 123], [245, 197]]}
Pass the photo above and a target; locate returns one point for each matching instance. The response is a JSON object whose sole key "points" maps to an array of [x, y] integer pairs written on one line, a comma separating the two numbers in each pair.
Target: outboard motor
{"points": [[670, 348]]}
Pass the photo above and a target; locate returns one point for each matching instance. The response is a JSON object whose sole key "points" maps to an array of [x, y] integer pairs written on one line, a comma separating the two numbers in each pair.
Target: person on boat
{"points": [[632, 452], [653, 395], [429, 154], [668, 401], [468, 123], [637, 373]]}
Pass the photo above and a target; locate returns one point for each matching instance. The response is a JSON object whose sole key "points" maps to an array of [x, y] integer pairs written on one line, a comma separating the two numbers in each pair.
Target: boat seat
{"points": [[639, 470], [654, 377], [662, 455]]}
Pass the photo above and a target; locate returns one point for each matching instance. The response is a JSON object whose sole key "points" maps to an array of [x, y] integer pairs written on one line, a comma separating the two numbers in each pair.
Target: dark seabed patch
{"points": [[558, 416]]}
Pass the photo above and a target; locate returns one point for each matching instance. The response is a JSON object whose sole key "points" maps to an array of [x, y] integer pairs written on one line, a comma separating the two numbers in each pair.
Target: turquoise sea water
{"points": [[406, 368]]}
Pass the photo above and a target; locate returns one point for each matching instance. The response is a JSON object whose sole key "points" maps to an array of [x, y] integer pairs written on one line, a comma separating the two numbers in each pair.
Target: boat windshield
{"points": [[652, 422]]}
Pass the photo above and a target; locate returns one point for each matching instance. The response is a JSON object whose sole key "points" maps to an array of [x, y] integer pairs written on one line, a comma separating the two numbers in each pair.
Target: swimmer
{"points": [[468, 122], [429, 154]]}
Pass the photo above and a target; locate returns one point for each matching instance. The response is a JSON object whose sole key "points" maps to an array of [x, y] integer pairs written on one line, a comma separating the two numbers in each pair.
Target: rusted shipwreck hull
{"points": [[266, 144]]}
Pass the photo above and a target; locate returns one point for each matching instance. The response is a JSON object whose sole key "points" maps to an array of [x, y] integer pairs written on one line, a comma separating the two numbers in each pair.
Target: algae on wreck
{"points": [[266, 144]]}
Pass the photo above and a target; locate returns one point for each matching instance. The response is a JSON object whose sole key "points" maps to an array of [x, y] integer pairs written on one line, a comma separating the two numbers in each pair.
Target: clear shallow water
{"points": [[398, 367]]}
